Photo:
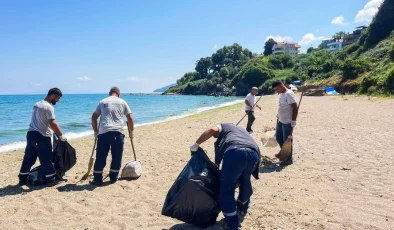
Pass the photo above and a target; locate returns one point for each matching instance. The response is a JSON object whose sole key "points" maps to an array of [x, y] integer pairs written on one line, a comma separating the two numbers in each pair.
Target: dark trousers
{"points": [[251, 119], [37, 146], [238, 165], [282, 133], [115, 141]]}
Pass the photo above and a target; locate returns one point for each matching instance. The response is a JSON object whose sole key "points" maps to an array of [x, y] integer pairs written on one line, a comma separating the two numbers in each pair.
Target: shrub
{"points": [[389, 84], [391, 53], [256, 75], [352, 68], [266, 88], [199, 87], [341, 55], [352, 48], [282, 61]]}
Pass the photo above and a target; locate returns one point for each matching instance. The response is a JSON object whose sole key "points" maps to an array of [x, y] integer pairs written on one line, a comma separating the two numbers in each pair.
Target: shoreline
{"points": [[18, 145]]}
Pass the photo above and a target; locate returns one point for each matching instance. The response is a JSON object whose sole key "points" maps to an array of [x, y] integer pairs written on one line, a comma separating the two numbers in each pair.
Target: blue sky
{"points": [[89, 46]]}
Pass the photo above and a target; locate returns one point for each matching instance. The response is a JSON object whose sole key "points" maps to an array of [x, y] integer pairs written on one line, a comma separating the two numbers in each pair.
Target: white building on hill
{"points": [[290, 48], [333, 46]]}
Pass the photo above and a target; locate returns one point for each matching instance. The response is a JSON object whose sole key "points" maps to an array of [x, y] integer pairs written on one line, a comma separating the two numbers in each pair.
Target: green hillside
{"points": [[365, 67]]}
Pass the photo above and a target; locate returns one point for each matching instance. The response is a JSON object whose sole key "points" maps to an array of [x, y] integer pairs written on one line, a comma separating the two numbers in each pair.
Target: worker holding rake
{"points": [[287, 117], [110, 134]]}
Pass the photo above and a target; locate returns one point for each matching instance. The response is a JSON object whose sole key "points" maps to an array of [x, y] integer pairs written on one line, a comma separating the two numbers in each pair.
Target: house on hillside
{"points": [[324, 43], [353, 37], [334, 45], [290, 48]]}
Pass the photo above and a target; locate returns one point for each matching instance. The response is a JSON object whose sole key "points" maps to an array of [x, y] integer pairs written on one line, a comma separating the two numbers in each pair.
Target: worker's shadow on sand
{"points": [[79, 187], [13, 190], [217, 226], [270, 168]]}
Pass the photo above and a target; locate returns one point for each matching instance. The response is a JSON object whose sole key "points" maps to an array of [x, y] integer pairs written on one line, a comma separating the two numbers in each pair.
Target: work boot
{"points": [[52, 182], [242, 209], [113, 181], [224, 226], [22, 180], [96, 182]]}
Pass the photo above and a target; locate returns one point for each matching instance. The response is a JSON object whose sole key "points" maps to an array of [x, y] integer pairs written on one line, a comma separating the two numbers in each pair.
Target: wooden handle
{"points": [[132, 143], [248, 111]]}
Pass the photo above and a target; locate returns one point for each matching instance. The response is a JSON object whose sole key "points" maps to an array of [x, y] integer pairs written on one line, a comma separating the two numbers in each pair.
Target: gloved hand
{"points": [[63, 138], [194, 147], [131, 135], [96, 134], [293, 124]]}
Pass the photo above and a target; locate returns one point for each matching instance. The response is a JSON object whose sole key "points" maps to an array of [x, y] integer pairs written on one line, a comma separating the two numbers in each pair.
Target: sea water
{"points": [[73, 112]]}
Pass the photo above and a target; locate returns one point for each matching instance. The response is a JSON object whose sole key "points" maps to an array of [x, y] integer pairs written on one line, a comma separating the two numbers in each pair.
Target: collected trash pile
{"points": [[318, 91], [193, 198]]}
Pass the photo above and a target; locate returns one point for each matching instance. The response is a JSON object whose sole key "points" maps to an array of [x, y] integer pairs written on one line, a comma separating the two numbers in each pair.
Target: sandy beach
{"points": [[342, 177]]}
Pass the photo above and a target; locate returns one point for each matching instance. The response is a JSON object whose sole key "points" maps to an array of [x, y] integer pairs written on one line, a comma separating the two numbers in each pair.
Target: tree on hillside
{"points": [[234, 56], [203, 66], [187, 77], [339, 35], [281, 61], [310, 49], [268, 46]]}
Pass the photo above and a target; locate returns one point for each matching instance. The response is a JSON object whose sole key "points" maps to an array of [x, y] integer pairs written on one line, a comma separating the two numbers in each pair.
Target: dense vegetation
{"points": [[366, 66]]}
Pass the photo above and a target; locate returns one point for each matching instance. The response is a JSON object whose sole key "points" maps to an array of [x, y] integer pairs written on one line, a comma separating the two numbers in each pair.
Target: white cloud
{"points": [[369, 11], [215, 47], [340, 20], [84, 78], [35, 84], [310, 38], [279, 38]]}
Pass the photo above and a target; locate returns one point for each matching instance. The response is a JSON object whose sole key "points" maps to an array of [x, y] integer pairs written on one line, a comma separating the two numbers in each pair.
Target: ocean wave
{"points": [[71, 135], [12, 146], [77, 125]]}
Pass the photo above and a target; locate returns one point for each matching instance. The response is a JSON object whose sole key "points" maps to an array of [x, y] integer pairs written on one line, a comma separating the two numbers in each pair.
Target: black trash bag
{"points": [[64, 157], [193, 198], [37, 177]]}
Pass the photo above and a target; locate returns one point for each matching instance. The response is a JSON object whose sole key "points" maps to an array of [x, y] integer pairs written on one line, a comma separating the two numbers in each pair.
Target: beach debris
{"points": [[267, 161], [132, 170], [330, 177], [346, 169], [268, 139]]}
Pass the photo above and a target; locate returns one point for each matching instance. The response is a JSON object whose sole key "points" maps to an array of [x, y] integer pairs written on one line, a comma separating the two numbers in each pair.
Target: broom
{"points": [[91, 162], [287, 147]]}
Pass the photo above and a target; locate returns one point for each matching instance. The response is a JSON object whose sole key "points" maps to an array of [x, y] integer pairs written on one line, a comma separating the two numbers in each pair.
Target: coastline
{"points": [[14, 146], [335, 171]]}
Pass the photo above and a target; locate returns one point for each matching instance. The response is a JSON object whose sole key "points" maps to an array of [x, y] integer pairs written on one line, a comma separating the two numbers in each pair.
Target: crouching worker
{"points": [[240, 155], [110, 134], [39, 137]]}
